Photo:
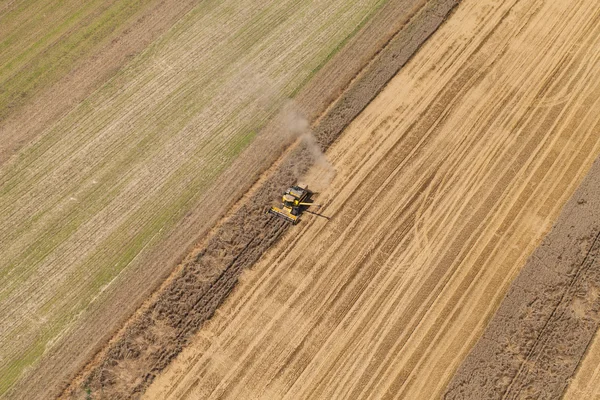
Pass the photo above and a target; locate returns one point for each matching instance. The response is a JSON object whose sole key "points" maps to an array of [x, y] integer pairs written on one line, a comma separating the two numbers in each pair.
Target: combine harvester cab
{"points": [[293, 203]]}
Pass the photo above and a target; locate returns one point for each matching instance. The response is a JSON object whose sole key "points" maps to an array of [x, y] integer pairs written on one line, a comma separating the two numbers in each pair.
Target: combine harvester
{"points": [[294, 202]]}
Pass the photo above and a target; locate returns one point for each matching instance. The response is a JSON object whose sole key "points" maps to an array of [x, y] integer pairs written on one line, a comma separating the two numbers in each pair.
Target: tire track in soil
{"points": [[153, 339]]}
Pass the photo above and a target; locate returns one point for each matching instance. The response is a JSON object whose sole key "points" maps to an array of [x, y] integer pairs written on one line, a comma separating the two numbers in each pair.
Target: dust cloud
{"points": [[296, 126]]}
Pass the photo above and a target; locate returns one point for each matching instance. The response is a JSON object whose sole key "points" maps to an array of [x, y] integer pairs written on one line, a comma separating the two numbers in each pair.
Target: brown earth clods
{"points": [[153, 338], [542, 329]]}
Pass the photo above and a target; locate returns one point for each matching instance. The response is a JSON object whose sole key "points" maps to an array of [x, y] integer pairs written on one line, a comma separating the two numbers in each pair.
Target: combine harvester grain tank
{"points": [[294, 202]]}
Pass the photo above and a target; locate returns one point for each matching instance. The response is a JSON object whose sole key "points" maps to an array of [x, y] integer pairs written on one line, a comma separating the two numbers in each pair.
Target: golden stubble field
{"points": [[445, 184]]}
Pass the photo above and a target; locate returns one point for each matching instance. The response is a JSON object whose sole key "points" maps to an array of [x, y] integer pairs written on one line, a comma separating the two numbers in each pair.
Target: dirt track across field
{"points": [[445, 184], [159, 333]]}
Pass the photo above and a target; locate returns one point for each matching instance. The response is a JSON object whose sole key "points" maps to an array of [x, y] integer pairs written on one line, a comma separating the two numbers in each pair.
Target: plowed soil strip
{"points": [[157, 335], [445, 184]]}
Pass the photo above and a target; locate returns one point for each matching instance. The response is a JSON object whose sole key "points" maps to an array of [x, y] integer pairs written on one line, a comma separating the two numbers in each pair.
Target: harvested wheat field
{"points": [[452, 145], [189, 297], [444, 185]]}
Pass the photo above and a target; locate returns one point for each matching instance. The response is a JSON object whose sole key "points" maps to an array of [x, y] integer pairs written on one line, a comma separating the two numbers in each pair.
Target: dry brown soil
{"points": [[584, 385], [445, 184], [159, 332]]}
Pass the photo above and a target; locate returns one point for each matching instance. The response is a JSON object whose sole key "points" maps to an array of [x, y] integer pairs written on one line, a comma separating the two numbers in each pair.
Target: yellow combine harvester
{"points": [[294, 201]]}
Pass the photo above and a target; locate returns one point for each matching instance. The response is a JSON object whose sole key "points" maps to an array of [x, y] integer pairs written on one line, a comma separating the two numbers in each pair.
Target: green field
{"points": [[41, 41], [111, 180]]}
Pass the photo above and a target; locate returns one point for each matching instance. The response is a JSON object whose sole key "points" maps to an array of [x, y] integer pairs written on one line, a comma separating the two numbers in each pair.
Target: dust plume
{"points": [[296, 126]]}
